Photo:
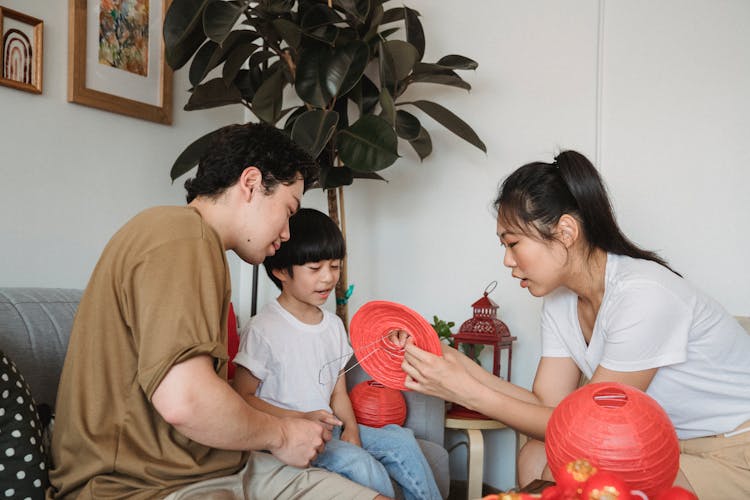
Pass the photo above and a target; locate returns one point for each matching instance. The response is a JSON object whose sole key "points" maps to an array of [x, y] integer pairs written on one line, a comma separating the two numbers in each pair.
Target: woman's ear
{"points": [[568, 229]]}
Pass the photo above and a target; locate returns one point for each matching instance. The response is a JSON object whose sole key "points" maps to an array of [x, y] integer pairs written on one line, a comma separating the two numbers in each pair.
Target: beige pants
{"points": [[718, 467], [265, 477]]}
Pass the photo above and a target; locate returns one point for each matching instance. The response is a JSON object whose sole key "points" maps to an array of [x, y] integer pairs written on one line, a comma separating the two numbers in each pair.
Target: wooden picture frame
{"points": [[22, 38], [145, 92]]}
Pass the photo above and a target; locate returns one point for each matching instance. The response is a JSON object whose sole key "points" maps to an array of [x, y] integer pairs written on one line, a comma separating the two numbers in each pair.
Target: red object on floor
{"points": [[233, 340], [618, 429], [376, 405]]}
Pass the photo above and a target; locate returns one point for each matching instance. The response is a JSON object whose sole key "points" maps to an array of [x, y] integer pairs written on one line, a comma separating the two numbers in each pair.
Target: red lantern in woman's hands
{"points": [[618, 428], [376, 405]]}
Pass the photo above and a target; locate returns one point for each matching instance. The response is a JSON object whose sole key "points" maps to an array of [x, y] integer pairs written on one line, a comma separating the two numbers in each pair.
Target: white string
{"points": [[359, 361]]}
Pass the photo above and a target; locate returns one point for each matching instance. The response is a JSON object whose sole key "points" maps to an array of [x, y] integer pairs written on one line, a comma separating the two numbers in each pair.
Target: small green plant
{"points": [[443, 329]]}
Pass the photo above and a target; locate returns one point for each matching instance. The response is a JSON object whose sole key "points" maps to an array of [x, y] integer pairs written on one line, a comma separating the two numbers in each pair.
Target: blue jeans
{"points": [[386, 452]]}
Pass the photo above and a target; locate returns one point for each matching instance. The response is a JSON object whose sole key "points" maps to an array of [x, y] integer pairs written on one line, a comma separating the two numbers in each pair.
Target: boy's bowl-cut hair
{"points": [[313, 237]]}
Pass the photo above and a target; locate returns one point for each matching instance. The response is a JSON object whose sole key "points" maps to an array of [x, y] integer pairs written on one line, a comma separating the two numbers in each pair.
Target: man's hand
{"points": [[302, 441], [326, 418]]}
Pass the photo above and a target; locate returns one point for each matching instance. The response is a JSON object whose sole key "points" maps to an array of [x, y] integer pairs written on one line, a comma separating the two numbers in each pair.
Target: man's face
{"points": [[265, 223]]}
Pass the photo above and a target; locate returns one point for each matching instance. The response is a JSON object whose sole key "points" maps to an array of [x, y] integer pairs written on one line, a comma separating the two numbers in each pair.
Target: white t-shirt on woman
{"points": [[652, 318]]}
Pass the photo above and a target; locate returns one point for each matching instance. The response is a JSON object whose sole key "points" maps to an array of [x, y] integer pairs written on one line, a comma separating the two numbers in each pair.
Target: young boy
{"points": [[292, 355]]}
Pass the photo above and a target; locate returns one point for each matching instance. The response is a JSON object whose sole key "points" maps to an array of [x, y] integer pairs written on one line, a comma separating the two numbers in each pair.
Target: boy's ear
{"points": [[281, 274]]}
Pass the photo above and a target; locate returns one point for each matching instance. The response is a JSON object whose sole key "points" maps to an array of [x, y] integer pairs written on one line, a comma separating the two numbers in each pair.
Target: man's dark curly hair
{"points": [[236, 147]]}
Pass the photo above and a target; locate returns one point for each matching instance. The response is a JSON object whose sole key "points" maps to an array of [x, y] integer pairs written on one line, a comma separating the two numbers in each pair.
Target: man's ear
{"points": [[250, 182], [568, 229]]}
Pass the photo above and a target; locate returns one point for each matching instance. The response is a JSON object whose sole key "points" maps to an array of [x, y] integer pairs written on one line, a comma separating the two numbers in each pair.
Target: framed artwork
{"points": [[116, 58], [22, 51]]}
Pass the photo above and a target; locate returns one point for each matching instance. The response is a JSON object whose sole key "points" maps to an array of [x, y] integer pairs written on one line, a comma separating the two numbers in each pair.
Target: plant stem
{"points": [[336, 207]]}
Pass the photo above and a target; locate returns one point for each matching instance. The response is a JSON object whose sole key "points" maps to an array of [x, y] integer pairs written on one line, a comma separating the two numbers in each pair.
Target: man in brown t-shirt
{"points": [[144, 409]]}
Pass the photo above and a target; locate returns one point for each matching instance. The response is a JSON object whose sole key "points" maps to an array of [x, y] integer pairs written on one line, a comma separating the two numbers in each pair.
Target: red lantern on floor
{"points": [[484, 328], [376, 405], [618, 429]]}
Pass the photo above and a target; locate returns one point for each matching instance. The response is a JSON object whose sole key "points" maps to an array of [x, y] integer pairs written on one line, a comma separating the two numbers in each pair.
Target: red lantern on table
{"points": [[376, 405], [484, 328], [618, 429]]}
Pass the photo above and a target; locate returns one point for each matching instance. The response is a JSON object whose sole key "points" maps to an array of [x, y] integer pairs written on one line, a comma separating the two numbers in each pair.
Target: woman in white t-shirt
{"points": [[612, 312]]}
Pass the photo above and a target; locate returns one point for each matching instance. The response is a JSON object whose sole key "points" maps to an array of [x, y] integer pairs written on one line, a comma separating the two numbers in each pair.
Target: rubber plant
{"points": [[348, 63]]}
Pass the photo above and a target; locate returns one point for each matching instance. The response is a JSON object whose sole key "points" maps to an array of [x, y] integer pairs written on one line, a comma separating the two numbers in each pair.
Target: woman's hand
{"points": [[444, 377]]}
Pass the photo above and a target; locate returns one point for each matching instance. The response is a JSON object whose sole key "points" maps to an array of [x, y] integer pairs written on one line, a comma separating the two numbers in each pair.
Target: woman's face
{"points": [[538, 263]]}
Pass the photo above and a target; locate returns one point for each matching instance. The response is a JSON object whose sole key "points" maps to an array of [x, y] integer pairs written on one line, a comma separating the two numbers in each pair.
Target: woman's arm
{"points": [[342, 408], [450, 377]]}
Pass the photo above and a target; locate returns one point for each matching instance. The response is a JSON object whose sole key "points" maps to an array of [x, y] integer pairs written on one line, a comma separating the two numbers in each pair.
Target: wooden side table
{"points": [[473, 428]]}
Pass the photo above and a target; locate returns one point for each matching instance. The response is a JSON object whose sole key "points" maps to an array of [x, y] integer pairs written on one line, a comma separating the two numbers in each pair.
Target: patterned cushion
{"points": [[23, 468]]}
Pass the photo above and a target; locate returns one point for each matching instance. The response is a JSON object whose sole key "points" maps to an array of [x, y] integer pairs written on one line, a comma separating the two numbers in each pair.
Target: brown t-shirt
{"points": [[159, 295]]}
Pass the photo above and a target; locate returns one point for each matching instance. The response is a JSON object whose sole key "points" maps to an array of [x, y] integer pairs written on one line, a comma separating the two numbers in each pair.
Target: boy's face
{"points": [[311, 283]]}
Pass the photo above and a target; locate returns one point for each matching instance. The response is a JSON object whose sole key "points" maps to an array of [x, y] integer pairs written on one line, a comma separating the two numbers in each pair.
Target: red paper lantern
{"points": [[619, 429], [376, 405]]}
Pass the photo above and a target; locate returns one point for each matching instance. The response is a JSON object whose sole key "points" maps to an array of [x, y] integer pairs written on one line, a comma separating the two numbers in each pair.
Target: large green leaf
{"points": [[387, 107], [393, 15], [358, 9], [212, 94], [398, 60], [407, 125], [375, 18], [442, 79], [289, 31], [414, 31], [199, 67], [219, 18], [345, 67], [333, 177], [235, 59], [450, 121], [313, 129], [455, 61], [311, 73], [269, 97], [183, 31], [369, 144], [422, 144], [276, 7], [317, 16], [191, 155]]}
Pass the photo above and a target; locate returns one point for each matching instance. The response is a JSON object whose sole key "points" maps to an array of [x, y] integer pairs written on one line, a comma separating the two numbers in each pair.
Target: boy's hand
{"points": [[350, 434], [324, 417]]}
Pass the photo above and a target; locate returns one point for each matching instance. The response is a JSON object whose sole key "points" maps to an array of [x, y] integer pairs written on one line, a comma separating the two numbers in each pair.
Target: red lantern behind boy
{"points": [[376, 405]]}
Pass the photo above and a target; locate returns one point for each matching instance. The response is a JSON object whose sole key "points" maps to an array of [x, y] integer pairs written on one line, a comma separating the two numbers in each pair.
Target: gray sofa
{"points": [[35, 326]]}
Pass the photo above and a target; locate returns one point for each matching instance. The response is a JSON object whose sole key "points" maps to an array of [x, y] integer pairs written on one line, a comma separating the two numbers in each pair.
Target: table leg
{"points": [[476, 464]]}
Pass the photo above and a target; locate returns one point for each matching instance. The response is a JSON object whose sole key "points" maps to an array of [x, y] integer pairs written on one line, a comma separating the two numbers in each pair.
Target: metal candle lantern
{"points": [[484, 328], [487, 329]]}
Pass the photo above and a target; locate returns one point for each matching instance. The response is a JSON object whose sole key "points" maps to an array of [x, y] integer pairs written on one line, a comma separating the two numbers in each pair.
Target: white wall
{"points": [[658, 96], [71, 174], [656, 92]]}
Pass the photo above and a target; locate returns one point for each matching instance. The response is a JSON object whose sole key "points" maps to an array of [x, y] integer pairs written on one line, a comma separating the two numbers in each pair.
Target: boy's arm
{"points": [[342, 408], [245, 384]]}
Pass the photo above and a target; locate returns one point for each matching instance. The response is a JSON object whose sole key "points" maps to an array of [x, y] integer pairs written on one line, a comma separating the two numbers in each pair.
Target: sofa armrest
{"points": [[35, 326]]}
